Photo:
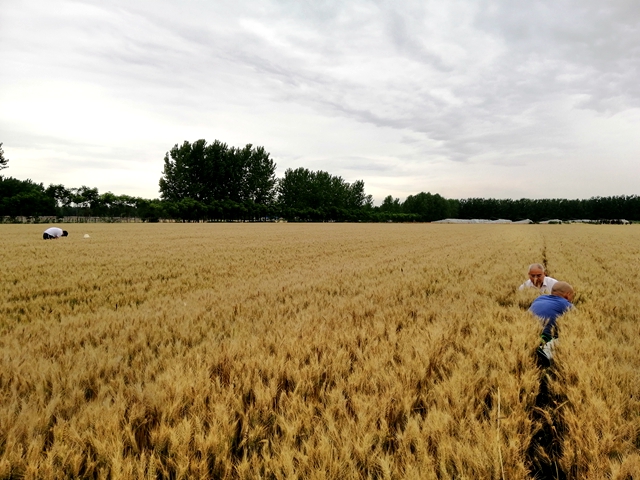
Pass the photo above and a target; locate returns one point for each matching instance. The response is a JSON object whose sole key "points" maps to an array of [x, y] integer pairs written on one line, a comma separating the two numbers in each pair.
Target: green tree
{"points": [[149, 210], [391, 205], [62, 197], [356, 198], [294, 189], [191, 172], [320, 196], [214, 172], [24, 198], [85, 199], [256, 180], [111, 205], [107, 205], [428, 207], [3, 161]]}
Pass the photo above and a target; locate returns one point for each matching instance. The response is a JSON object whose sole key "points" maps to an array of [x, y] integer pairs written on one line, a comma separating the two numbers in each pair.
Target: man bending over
{"points": [[548, 308], [53, 233]]}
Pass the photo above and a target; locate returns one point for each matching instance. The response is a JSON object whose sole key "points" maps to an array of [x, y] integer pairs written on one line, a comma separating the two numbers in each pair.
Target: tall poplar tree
{"points": [[214, 172]]}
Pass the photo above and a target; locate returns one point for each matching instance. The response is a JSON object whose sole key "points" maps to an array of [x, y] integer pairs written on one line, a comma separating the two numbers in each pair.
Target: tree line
{"points": [[214, 182]]}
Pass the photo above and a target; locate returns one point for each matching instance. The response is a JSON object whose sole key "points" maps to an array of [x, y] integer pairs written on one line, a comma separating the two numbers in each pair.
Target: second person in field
{"points": [[538, 279]]}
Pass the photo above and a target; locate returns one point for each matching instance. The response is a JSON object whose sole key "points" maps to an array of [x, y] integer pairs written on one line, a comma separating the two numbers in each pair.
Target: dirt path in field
{"points": [[549, 429]]}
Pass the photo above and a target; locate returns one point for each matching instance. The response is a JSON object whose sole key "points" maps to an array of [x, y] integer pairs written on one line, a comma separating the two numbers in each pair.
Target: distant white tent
{"points": [[459, 220], [473, 220]]}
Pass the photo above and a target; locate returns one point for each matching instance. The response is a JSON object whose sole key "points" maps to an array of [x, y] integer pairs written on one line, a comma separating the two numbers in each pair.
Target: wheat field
{"points": [[316, 351]]}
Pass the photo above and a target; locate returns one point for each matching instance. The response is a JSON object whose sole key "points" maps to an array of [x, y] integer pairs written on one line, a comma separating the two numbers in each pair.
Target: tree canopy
{"points": [[3, 161], [428, 207], [214, 172], [24, 197], [302, 192]]}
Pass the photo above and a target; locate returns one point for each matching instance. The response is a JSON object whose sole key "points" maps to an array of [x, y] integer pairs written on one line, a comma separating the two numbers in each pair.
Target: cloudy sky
{"points": [[466, 98]]}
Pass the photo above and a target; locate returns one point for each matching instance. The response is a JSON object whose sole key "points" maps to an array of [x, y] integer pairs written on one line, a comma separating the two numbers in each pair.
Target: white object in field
{"points": [[549, 348], [86, 235]]}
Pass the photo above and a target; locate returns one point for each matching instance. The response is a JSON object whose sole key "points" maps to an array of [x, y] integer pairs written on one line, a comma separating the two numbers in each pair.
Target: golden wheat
{"points": [[315, 351]]}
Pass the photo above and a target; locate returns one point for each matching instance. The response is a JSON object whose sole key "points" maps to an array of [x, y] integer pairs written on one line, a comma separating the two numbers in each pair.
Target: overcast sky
{"points": [[466, 98]]}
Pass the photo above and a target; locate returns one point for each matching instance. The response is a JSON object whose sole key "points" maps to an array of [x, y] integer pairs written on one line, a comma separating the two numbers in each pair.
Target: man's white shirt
{"points": [[547, 285], [54, 232]]}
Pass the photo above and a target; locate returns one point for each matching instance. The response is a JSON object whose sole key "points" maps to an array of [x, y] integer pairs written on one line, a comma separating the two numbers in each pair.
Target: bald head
{"points": [[564, 290]]}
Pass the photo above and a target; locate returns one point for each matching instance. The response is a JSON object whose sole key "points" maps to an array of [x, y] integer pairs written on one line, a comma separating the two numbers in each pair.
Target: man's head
{"points": [[536, 274], [64, 233], [564, 290]]}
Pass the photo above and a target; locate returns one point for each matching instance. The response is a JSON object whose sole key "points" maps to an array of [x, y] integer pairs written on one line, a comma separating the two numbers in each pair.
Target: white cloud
{"points": [[458, 97]]}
